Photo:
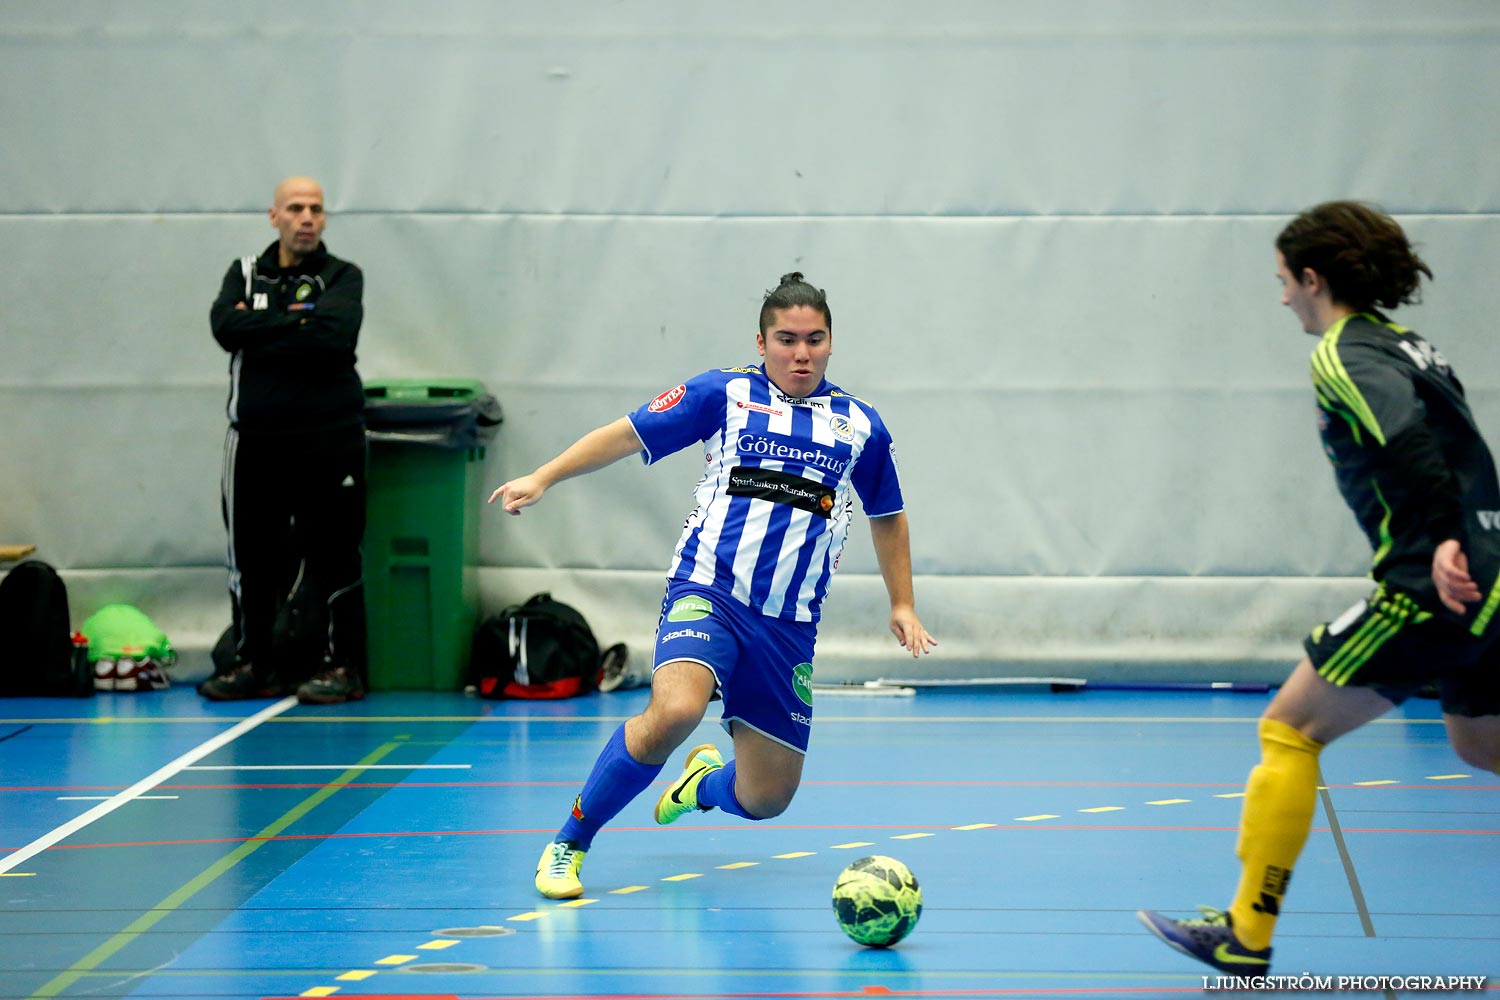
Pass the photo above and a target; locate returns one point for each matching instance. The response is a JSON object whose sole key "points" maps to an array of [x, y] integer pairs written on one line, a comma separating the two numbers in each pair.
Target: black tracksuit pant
{"points": [[290, 501]]}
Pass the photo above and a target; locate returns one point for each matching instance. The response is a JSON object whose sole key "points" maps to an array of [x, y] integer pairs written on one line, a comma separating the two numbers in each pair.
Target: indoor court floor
{"points": [[154, 845]]}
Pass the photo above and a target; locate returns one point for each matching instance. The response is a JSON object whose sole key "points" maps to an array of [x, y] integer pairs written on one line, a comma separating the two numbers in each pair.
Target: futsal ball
{"points": [[877, 901]]}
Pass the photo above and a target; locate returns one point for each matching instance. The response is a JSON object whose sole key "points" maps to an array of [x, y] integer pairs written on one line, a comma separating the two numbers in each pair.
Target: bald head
{"points": [[297, 214], [298, 187]]}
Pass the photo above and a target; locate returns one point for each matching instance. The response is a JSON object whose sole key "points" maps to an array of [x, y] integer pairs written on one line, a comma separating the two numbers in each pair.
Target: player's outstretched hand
{"points": [[908, 630], [1450, 574], [518, 493]]}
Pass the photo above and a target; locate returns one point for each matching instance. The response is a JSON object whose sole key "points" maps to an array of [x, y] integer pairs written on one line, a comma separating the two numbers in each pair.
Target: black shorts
{"points": [[1391, 645]]}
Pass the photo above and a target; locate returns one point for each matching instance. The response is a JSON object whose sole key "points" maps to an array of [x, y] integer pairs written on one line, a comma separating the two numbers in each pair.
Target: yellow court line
{"points": [[1447, 777], [880, 720], [912, 836], [151, 781], [533, 915], [440, 944], [319, 991], [573, 903], [142, 924], [203, 879], [357, 975]]}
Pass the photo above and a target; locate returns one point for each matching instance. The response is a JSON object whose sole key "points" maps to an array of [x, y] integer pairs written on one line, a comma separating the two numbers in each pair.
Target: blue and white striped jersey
{"points": [[773, 505]]}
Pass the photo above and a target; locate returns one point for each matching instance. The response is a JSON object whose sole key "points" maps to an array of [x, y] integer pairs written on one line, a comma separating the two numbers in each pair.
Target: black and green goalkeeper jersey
{"points": [[1409, 459]]}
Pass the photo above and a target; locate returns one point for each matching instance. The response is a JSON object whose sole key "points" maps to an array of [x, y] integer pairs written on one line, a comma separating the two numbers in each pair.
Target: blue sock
{"points": [[616, 778], [717, 789]]}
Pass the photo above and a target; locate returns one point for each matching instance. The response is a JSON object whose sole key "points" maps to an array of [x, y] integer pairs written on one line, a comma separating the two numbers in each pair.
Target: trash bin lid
{"points": [[415, 390], [447, 413]]}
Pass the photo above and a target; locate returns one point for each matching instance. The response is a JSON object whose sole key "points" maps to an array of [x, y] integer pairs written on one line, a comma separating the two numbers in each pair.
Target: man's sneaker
{"points": [[557, 871], [104, 674], [332, 687], [132, 674], [238, 684], [1210, 940], [682, 797], [617, 671]]}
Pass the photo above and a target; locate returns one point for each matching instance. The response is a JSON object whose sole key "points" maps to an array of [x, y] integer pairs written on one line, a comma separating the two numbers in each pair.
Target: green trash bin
{"points": [[427, 441]]}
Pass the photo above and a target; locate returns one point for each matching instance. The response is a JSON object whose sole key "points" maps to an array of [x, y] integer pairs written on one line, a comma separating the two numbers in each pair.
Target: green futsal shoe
{"points": [[557, 871], [682, 797]]}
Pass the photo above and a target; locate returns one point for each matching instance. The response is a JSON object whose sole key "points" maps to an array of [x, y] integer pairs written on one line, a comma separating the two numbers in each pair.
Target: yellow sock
{"points": [[1280, 798]]}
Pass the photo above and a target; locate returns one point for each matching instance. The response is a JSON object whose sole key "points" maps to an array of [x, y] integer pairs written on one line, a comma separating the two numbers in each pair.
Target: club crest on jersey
{"points": [[841, 427], [668, 399]]}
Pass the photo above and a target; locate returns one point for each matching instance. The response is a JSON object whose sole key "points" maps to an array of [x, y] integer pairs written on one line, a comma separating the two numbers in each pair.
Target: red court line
{"points": [[832, 784], [574, 783], [1028, 827], [867, 991]]}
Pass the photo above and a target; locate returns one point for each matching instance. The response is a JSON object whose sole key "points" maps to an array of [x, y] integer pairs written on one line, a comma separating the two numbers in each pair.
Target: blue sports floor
{"points": [[154, 845]]}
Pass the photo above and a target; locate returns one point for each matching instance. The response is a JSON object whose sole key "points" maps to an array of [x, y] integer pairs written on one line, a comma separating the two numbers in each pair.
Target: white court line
{"points": [[328, 767], [147, 783], [105, 798]]}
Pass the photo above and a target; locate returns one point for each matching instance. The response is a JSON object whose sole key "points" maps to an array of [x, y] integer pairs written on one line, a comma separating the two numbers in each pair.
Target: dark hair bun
{"points": [[792, 292]]}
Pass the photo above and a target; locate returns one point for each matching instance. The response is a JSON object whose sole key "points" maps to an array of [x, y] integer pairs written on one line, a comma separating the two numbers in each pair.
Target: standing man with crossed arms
{"points": [[294, 458]]}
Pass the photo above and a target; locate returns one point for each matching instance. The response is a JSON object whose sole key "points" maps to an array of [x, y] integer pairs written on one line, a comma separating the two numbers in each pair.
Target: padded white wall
{"points": [[1045, 229]]}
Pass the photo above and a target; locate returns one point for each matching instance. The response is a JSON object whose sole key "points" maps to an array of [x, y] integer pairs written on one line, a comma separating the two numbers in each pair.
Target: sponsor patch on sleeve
{"points": [[668, 399]]}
